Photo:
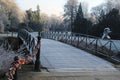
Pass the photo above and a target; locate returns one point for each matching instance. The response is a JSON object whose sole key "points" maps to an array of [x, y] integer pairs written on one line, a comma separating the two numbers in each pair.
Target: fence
{"points": [[31, 42], [27, 39], [33, 48], [108, 48], [9, 34]]}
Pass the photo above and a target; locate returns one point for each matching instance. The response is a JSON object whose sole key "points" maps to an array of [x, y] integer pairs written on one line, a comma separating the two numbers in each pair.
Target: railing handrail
{"points": [[29, 40], [110, 49], [9, 34]]}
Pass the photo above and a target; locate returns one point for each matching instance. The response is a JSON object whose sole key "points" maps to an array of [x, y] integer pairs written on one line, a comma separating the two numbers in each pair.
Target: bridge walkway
{"points": [[60, 57]]}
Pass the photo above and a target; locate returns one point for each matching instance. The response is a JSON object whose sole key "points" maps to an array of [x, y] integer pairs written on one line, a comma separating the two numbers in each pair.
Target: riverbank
{"points": [[8, 50], [6, 58]]}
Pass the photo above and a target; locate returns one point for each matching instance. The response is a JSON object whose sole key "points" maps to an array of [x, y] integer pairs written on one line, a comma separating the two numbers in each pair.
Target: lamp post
{"points": [[37, 62]]}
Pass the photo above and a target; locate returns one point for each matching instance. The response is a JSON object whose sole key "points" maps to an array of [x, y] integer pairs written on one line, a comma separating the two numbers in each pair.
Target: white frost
{"points": [[6, 58]]}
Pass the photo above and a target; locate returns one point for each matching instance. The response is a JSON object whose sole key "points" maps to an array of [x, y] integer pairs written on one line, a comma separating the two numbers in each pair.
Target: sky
{"points": [[51, 7]]}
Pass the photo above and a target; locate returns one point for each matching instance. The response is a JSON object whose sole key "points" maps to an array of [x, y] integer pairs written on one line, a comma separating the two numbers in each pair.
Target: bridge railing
{"points": [[32, 44], [95, 44], [27, 39], [9, 34], [33, 47]]}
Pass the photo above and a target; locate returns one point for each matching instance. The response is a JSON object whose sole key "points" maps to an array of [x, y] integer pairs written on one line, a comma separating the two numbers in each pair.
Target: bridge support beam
{"points": [[37, 62]]}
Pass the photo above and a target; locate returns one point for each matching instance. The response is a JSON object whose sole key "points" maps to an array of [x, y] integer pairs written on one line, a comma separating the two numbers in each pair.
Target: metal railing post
{"points": [[86, 42], [78, 41], [37, 62], [110, 48], [110, 45], [71, 38], [96, 46]]}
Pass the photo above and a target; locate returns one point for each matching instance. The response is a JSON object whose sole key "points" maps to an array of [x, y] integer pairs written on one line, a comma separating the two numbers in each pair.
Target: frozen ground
{"points": [[6, 58]]}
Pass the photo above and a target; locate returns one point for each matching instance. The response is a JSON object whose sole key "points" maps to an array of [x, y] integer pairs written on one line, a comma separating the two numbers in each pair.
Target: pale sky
{"points": [[50, 7]]}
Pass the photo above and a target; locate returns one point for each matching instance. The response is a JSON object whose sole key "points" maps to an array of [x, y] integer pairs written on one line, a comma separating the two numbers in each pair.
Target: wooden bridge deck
{"points": [[60, 57]]}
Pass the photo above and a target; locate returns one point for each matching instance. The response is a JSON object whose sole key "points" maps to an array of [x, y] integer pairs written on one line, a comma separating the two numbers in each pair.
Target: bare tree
{"points": [[103, 9], [11, 15], [54, 22], [70, 9], [113, 4], [44, 22], [85, 9], [99, 11]]}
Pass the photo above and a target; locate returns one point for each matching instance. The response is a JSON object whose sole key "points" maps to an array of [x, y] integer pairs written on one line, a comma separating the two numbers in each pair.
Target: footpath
{"points": [[70, 76], [29, 74]]}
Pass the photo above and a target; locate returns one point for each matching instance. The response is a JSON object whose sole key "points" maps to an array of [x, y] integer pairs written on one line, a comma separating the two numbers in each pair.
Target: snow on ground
{"points": [[6, 58]]}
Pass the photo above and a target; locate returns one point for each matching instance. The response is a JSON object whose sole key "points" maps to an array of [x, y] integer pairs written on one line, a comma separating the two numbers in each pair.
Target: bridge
{"points": [[60, 54]]}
